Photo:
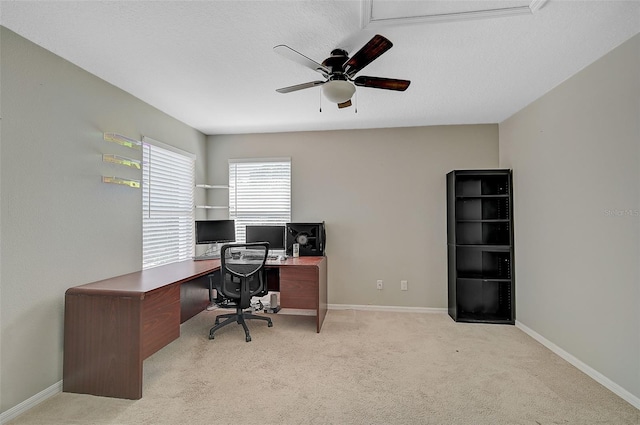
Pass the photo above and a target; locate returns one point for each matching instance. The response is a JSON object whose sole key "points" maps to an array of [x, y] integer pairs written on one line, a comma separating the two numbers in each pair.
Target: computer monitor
{"points": [[215, 231], [272, 234]]}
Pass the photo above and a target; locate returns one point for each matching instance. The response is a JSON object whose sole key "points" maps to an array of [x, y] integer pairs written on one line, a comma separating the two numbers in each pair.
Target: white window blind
{"points": [[168, 180], [259, 193]]}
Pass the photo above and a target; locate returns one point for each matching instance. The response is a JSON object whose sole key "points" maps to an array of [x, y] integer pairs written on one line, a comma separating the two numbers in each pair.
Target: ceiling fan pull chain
{"points": [[356, 108], [320, 100]]}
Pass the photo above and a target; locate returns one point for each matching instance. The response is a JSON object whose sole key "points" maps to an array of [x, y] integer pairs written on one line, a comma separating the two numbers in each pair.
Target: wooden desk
{"points": [[112, 325]]}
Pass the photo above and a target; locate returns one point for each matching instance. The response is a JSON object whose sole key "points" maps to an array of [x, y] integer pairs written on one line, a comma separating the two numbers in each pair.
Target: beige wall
{"points": [[60, 225], [576, 160], [382, 195]]}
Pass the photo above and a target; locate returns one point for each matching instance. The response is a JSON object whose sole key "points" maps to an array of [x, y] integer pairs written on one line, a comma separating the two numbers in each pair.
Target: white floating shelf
{"points": [[212, 186]]}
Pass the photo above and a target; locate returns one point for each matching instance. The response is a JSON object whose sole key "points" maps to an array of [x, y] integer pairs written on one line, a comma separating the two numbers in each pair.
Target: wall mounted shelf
{"points": [[118, 180], [121, 160], [123, 140], [212, 186], [212, 207]]}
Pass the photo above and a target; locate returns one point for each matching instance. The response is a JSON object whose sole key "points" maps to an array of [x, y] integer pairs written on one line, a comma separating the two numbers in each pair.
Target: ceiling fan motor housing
{"points": [[336, 61]]}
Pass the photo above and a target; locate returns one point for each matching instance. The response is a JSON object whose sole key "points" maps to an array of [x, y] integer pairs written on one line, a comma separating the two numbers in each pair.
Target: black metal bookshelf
{"points": [[480, 246]]}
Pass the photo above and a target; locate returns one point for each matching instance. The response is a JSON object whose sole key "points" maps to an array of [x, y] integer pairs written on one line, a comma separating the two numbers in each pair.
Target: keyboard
{"points": [[207, 257], [259, 257]]}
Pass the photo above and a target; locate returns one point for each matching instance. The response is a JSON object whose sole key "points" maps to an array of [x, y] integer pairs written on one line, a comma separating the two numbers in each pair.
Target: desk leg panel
{"points": [[299, 287], [194, 297], [322, 293], [160, 319], [102, 348], [305, 287]]}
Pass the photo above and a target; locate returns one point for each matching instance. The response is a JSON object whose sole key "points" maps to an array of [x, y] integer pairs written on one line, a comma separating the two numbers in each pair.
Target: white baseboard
{"points": [[31, 402], [386, 308], [591, 372]]}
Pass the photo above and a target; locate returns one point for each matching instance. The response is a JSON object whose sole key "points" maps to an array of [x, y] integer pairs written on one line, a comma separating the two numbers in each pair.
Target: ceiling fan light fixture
{"points": [[338, 91]]}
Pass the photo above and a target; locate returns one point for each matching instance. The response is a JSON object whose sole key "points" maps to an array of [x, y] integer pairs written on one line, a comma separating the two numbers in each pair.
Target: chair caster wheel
{"points": [[269, 324], [248, 338], [211, 337]]}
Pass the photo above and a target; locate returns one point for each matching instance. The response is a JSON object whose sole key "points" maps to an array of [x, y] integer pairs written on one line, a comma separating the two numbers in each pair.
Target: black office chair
{"points": [[241, 278]]}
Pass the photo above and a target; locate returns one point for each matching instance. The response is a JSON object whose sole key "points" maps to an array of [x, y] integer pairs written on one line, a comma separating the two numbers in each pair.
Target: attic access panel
{"points": [[378, 12]]}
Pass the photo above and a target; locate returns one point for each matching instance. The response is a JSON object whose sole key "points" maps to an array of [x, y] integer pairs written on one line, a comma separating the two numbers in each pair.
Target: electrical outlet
{"points": [[403, 285], [379, 284]]}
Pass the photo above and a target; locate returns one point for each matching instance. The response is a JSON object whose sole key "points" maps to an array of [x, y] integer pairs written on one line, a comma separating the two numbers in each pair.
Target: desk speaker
{"points": [[310, 236]]}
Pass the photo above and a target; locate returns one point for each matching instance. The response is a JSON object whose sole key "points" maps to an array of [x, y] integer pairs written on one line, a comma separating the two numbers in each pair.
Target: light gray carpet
{"points": [[363, 368]]}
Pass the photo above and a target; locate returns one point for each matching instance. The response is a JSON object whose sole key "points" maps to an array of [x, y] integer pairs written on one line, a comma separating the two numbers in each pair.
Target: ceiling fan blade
{"points": [[300, 86], [382, 83], [298, 57], [344, 104], [367, 54]]}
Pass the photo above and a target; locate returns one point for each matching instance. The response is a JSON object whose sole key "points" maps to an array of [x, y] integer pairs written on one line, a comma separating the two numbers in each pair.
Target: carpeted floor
{"points": [[363, 368]]}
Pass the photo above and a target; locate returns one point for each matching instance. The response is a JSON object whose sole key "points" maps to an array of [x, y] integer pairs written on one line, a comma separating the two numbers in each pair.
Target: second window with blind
{"points": [[259, 193]]}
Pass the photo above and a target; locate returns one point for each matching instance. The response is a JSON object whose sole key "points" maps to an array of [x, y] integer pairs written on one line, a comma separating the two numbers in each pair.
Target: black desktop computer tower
{"points": [[310, 237]]}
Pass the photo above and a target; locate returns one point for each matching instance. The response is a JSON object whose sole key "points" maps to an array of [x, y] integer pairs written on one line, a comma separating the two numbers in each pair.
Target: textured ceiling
{"points": [[211, 64]]}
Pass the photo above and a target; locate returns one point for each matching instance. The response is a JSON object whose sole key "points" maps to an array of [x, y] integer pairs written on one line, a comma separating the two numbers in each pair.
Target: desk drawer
{"points": [[299, 287], [160, 319]]}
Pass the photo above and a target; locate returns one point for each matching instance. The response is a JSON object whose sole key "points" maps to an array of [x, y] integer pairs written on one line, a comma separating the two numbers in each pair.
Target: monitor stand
{"points": [[213, 249]]}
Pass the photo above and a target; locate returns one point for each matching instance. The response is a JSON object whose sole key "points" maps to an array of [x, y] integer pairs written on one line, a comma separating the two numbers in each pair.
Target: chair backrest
{"points": [[242, 266]]}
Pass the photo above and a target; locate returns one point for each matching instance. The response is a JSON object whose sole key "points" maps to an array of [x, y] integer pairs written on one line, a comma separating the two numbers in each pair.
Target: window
{"points": [[168, 180], [259, 193]]}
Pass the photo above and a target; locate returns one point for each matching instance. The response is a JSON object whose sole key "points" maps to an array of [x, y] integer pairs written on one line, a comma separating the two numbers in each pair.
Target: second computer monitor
{"points": [[272, 234], [215, 231]]}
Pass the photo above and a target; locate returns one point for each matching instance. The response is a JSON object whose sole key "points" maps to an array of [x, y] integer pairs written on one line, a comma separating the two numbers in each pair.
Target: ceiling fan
{"points": [[339, 71]]}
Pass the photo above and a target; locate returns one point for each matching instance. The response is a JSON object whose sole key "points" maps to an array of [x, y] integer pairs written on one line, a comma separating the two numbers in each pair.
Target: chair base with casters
{"points": [[238, 317]]}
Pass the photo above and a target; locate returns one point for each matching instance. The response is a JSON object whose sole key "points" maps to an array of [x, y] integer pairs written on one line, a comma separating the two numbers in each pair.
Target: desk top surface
{"points": [[138, 283]]}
